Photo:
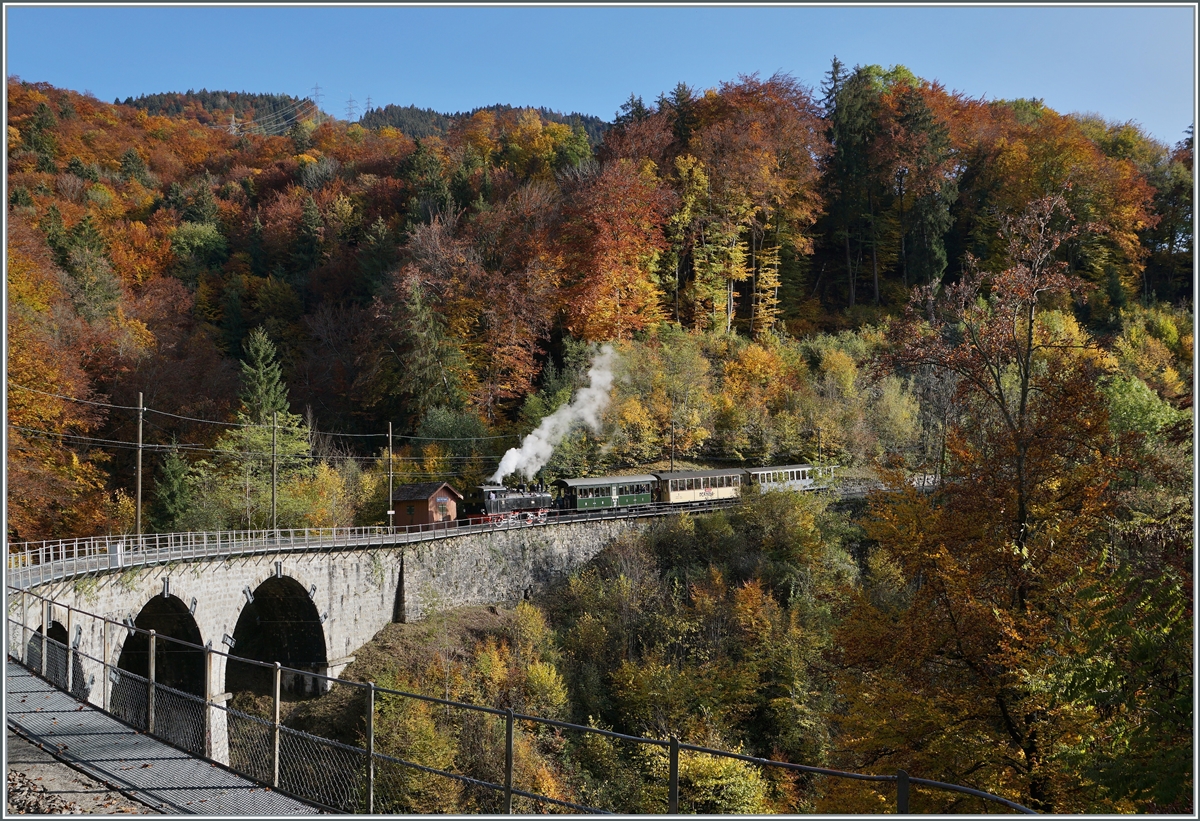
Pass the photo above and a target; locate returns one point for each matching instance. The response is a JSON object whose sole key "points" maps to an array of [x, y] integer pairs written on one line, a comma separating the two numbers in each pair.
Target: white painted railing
{"points": [[34, 563]]}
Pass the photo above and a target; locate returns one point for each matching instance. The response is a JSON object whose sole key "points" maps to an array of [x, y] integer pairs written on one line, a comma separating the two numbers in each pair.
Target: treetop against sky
{"points": [[1124, 62]]}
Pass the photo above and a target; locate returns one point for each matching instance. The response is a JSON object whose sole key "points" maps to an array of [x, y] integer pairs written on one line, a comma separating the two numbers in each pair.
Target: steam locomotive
{"points": [[532, 503]]}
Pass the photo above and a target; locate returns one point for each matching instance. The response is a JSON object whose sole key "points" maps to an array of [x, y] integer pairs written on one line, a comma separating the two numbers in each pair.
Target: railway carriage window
{"points": [[737, 480], [691, 484]]}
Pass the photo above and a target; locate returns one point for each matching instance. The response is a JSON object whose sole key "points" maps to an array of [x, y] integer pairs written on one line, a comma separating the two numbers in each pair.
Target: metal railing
{"points": [[346, 778], [34, 563]]}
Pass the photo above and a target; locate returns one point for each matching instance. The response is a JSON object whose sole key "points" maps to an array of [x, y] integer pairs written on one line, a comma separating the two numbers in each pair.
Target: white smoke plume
{"points": [[537, 448]]}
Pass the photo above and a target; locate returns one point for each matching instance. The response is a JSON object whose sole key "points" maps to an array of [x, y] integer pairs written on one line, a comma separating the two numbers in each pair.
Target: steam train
{"points": [[533, 503]]}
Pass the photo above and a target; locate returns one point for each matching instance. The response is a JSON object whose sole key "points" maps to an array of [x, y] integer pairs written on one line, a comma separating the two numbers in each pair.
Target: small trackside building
{"points": [[425, 503]]}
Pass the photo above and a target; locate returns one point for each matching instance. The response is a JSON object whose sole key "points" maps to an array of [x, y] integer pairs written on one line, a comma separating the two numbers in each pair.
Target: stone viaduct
{"points": [[306, 608]]}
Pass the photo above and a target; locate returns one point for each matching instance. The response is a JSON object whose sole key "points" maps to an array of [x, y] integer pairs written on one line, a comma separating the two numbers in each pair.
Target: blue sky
{"points": [[1123, 62]]}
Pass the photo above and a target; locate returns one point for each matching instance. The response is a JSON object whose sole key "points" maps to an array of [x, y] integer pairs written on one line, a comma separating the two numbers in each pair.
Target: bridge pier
{"points": [[217, 738]]}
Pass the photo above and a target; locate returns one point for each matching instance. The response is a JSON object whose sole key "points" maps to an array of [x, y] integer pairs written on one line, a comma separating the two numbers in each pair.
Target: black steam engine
{"points": [[525, 503]]}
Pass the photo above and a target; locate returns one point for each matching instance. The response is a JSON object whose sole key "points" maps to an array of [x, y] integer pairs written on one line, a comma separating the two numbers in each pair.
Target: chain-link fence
{"points": [[181, 718], [404, 764], [129, 697], [326, 772], [251, 745]]}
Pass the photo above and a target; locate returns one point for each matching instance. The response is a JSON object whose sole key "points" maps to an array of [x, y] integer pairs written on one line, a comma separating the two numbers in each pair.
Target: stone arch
{"points": [[58, 655], [280, 624], [176, 665], [179, 671]]}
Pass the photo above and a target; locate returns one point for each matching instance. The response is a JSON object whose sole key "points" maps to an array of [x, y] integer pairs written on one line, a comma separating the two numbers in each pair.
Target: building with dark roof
{"points": [[425, 503]]}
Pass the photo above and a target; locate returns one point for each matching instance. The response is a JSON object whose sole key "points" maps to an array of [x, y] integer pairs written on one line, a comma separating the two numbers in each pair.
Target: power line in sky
{"points": [[263, 427]]}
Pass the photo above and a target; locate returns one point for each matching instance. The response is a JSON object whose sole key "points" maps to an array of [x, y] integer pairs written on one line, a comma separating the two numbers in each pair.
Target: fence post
{"points": [[508, 760], [275, 728], [208, 694], [673, 787], [150, 686], [45, 631], [901, 792], [25, 627], [70, 677], [370, 747], [104, 664]]}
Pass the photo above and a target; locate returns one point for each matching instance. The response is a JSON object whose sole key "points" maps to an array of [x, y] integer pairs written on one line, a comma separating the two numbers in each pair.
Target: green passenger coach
{"points": [[605, 492]]}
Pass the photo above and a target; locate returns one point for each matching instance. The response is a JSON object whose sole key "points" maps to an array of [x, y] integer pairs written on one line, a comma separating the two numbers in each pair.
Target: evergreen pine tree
{"points": [[133, 167], [431, 359], [431, 192], [172, 494], [203, 205], [307, 253], [263, 391]]}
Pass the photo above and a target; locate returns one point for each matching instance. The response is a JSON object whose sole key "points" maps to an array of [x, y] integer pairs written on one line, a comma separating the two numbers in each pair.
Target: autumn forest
{"points": [[876, 273]]}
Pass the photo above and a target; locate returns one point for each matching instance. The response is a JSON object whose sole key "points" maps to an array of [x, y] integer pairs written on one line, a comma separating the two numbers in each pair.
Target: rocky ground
{"points": [[40, 784]]}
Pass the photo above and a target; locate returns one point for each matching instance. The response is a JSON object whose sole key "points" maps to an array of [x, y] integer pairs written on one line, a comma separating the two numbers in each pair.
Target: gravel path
{"points": [[38, 783], [142, 767]]}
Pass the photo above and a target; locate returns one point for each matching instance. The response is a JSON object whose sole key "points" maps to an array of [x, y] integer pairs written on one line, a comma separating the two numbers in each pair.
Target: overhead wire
{"points": [[275, 118], [190, 447], [147, 409]]}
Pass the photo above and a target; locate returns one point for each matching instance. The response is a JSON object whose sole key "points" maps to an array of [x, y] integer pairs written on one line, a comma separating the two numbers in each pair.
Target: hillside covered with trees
{"points": [[878, 274]]}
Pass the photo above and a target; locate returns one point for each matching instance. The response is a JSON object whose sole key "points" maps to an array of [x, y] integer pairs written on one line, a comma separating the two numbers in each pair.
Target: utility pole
{"points": [[368, 103], [390, 509], [274, 465], [139, 470], [351, 109], [233, 123]]}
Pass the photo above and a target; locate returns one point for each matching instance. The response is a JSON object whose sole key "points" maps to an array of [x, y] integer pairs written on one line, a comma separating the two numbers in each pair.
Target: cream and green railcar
{"points": [[700, 485], [790, 477], [605, 492]]}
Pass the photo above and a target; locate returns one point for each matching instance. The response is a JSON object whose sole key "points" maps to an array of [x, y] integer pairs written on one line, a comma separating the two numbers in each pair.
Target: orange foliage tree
{"points": [[948, 654], [613, 236]]}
